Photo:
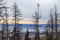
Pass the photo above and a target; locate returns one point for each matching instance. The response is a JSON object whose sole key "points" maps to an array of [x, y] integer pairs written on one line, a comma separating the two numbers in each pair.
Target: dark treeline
{"points": [[51, 31]]}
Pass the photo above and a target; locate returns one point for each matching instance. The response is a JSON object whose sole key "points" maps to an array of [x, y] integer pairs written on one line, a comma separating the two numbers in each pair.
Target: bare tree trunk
{"points": [[56, 21], [17, 30], [5, 34], [36, 24]]}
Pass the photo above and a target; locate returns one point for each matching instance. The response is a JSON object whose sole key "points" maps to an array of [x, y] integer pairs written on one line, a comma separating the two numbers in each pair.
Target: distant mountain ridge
{"points": [[26, 25]]}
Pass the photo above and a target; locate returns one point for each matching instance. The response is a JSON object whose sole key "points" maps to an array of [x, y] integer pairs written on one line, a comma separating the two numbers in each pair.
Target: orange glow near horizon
{"points": [[23, 22]]}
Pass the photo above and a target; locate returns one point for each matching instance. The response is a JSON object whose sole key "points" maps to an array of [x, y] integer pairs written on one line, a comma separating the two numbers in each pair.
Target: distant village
{"points": [[52, 28]]}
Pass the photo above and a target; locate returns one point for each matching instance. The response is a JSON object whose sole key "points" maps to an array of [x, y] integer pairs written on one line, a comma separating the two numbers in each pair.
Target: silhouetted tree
{"points": [[47, 35], [17, 28], [37, 37], [47, 30], [15, 36], [5, 25], [27, 36], [51, 23], [3, 11], [36, 24], [51, 26], [56, 26], [1, 16]]}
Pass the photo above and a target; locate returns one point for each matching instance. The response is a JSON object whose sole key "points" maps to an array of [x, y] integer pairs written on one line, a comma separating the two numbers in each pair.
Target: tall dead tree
{"points": [[3, 10], [51, 26], [56, 26], [1, 15], [17, 28], [36, 24], [51, 18]]}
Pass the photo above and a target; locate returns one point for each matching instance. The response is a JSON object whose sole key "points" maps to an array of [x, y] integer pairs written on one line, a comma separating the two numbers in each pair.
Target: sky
{"points": [[28, 8]]}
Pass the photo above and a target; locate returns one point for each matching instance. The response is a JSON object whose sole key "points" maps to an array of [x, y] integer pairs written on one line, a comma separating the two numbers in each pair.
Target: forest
{"points": [[51, 30]]}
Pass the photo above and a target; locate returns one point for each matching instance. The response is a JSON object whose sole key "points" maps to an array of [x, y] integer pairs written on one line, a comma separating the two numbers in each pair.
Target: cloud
{"points": [[28, 7]]}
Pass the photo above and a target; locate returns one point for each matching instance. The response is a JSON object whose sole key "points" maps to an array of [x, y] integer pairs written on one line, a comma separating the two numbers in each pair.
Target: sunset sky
{"points": [[25, 22]]}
